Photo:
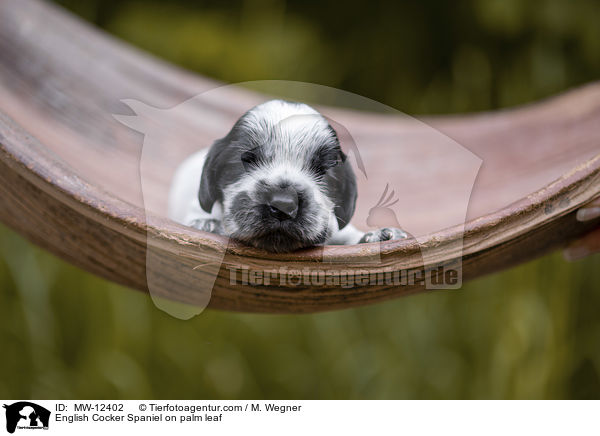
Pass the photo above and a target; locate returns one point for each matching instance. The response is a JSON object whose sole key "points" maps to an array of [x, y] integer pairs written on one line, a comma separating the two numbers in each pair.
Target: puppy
{"points": [[278, 181]]}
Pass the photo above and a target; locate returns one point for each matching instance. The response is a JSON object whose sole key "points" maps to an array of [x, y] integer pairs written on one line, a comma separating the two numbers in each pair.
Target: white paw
{"points": [[208, 225], [385, 234]]}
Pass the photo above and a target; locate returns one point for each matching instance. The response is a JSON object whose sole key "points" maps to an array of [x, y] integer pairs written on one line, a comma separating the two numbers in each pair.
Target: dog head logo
{"points": [[404, 156], [26, 415]]}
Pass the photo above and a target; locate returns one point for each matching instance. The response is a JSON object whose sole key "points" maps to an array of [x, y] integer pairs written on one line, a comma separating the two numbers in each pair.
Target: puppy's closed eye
{"points": [[326, 158], [250, 159]]}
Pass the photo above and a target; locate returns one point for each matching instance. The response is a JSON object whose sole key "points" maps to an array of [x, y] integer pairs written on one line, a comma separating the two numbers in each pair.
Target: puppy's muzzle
{"points": [[283, 204]]}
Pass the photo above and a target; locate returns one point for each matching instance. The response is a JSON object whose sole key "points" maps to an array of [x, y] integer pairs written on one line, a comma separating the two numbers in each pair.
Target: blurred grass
{"points": [[531, 332]]}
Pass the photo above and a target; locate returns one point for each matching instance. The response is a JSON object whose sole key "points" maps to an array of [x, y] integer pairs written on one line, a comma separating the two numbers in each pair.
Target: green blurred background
{"points": [[531, 332]]}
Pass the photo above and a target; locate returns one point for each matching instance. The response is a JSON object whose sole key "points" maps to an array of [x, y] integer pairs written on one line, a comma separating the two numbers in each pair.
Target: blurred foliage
{"points": [[419, 57], [531, 332]]}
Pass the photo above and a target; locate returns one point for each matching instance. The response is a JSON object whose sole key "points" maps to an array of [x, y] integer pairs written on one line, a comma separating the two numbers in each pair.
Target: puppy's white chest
{"points": [[184, 206]]}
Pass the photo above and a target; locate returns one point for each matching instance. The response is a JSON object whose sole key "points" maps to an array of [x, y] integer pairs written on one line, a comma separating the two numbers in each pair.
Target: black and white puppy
{"points": [[278, 181]]}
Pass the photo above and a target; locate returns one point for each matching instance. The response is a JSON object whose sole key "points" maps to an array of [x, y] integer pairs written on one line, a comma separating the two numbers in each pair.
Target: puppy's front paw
{"points": [[385, 234], [208, 225]]}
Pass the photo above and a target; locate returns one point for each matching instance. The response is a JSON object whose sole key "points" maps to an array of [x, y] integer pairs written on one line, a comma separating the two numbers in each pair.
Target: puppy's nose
{"points": [[283, 205]]}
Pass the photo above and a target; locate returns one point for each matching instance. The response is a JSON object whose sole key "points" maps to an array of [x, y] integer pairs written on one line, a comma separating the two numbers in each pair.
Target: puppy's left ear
{"points": [[343, 191], [209, 192]]}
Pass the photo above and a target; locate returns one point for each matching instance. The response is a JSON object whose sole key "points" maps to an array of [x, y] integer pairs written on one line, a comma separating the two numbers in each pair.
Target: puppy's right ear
{"points": [[209, 181]]}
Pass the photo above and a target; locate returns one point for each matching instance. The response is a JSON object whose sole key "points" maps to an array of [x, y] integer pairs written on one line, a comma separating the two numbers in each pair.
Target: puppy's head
{"points": [[281, 177]]}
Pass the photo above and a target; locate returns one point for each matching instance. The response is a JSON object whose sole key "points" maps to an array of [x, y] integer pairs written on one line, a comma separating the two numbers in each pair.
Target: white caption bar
{"points": [[23, 417]]}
